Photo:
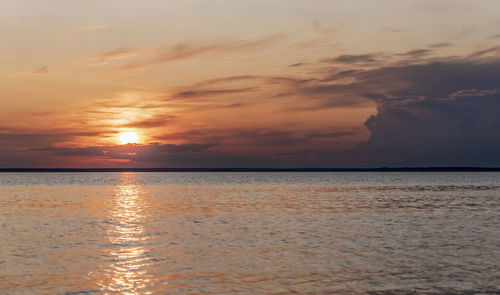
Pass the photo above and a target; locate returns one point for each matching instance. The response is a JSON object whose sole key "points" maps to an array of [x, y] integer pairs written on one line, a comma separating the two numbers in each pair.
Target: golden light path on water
{"points": [[127, 273]]}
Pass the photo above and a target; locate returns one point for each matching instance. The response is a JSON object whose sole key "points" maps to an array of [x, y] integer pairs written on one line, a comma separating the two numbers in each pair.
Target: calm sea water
{"points": [[250, 233]]}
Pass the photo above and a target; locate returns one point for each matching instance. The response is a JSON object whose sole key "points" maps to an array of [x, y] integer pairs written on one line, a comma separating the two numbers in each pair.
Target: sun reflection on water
{"points": [[127, 273]]}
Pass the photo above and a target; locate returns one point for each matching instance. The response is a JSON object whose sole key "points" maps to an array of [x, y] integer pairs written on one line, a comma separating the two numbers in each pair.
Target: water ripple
{"points": [[331, 233]]}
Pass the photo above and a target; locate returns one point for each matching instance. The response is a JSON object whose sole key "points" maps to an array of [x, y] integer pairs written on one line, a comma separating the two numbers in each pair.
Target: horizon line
{"points": [[246, 169]]}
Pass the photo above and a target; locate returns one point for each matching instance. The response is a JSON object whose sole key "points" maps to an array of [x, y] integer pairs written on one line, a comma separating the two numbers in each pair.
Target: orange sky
{"points": [[220, 83]]}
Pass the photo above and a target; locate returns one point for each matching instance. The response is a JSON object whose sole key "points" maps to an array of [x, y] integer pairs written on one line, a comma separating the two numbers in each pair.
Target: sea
{"points": [[250, 233]]}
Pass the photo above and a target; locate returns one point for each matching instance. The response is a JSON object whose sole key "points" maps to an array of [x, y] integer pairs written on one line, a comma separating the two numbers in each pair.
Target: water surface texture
{"points": [[249, 233]]}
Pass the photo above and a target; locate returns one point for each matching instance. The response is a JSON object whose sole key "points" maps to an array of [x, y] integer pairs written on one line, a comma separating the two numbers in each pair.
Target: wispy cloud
{"points": [[135, 59], [41, 70], [441, 44], [152, 122], [186, 51], [352, 59], [416, 53], [105, 58], [485, 53], [473, 93], [205, 93]]}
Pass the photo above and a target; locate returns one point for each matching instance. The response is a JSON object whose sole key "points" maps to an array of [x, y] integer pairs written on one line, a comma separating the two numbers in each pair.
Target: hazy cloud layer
{"points": [[430, 111]]}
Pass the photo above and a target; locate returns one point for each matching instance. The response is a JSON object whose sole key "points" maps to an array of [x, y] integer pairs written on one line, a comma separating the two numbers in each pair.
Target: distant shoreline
{"points": [[382, 169]]}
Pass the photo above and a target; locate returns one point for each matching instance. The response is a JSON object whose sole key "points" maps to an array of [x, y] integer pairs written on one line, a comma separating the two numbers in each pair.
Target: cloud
{"points": [[416, 53], [154, 122], [473, 93], [434, 114], [134, 59], [131, 153], [441, 44], [432, 79], [237, 91], [13, 138], [485, 53], [323, 96], [186, 51], [266, 138], [435, 133], [351, 59], [41, 70], [189, 155], [430, 111], [106, 57], [436, 111], [18, 147], [317, 134], [336, 76], [204, 93]]}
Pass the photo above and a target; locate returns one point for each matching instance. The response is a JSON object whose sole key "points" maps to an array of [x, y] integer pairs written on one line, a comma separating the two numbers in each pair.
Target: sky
{"points": [[261, 83]]}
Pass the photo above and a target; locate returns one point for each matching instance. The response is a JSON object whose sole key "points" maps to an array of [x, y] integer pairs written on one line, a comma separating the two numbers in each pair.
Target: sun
{"points": [[128, 137]]}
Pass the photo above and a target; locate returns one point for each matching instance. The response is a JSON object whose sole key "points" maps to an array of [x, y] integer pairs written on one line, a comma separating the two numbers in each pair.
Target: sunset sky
{"points": [[261, 83]]}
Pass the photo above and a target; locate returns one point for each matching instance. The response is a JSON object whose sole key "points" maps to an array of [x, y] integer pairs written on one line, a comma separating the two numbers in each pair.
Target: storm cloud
{"points": [[437, 113]]}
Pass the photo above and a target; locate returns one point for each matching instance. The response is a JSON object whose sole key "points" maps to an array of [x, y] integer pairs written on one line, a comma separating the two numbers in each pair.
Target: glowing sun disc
{"points": [[128, 137]]}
